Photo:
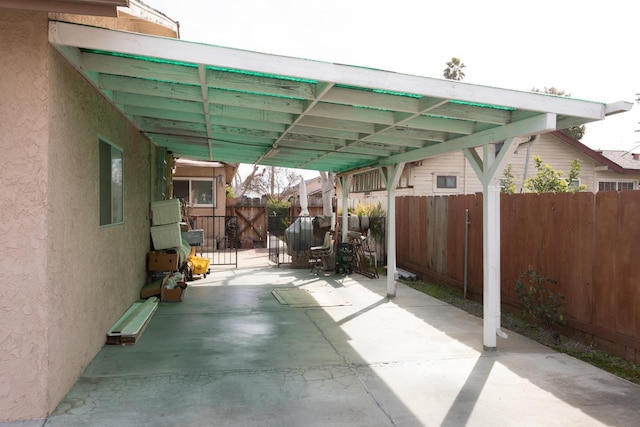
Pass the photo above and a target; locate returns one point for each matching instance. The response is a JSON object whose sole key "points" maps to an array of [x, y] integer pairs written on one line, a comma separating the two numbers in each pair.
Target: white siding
{"points": [[551, 150], [555, 153]]}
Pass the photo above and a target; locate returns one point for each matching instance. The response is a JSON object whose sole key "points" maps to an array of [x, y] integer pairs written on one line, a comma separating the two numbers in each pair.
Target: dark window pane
{"points": [[446, 181]]}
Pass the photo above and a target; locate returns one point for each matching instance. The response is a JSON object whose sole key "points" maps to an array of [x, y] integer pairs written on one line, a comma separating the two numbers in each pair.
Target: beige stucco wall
{"points": [[94, 272], [23, 202], [65, 280]]}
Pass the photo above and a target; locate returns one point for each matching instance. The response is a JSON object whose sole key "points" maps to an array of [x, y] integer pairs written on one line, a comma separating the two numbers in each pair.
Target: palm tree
{"points": [[454, 70]]}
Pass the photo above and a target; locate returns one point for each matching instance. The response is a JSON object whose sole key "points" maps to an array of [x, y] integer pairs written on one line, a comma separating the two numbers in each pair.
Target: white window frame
{"points": [[190, 180], [450, 190], [618, 182]]}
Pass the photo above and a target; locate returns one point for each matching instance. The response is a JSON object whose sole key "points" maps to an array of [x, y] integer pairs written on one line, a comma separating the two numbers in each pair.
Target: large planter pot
{"points": [[354, 223], [364, 222]]}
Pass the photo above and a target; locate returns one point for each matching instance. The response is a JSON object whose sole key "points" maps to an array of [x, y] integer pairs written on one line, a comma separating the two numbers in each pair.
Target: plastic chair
{"points": [[318, 254]]}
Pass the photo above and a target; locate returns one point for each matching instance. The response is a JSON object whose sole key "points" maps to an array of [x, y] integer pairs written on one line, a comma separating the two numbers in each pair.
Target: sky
{"points": [[587, 48]]}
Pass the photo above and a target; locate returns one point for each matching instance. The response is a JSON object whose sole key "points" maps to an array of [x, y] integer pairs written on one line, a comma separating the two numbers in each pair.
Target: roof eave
{"points": [[79, 7]]}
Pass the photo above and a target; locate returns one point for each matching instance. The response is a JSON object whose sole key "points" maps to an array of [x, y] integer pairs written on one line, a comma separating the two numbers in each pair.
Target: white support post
{"points": [[391, 176], [489, 170], [345, 185], [491, 256]]}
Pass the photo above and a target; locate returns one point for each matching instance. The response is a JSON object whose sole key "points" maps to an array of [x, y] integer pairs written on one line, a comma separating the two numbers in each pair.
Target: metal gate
{"points": [[276, 226], [221, 239]]}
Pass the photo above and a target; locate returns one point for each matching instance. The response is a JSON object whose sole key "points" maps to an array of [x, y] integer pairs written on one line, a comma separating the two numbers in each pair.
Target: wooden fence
{"points": [[585, 241], [251, 216]]}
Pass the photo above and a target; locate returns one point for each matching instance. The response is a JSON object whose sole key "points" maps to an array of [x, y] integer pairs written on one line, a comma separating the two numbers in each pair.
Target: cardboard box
{"points": [[166, 236], [162, 261], [151, 289], [171, 295], [165, 212]]}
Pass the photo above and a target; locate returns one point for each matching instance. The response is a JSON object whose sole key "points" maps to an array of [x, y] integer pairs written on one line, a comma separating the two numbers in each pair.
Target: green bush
{"points": [[278, 216], [539, 301], [376, 217]]}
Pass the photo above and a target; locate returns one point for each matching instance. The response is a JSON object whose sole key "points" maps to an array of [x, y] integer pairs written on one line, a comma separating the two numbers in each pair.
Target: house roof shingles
{"points": [[626, 159]]}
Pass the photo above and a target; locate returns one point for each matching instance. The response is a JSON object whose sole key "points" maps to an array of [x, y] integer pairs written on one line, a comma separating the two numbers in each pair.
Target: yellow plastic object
{"points": [[199, 265]]}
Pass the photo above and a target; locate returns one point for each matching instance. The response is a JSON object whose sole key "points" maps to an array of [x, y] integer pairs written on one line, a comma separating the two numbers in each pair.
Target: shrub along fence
{"points": [[585, 241]]}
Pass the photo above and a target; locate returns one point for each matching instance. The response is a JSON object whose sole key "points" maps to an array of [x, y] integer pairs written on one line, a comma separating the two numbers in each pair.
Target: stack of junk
{"points": [[173, 260]]}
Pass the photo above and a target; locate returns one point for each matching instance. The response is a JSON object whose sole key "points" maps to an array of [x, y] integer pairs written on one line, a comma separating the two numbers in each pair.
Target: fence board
{"points": [[439, 211], [627, 242], [476, 277], [431, 233], [403, 249], [606, 248], [576, 277], [455, 237]]}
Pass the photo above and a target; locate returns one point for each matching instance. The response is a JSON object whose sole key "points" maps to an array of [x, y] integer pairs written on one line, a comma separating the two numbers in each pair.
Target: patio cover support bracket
{"points": [[391, 176], [489, 171]]}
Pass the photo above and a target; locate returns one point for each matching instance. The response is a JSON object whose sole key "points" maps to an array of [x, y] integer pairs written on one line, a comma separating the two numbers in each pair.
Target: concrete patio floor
{"points": [[231, 354]]}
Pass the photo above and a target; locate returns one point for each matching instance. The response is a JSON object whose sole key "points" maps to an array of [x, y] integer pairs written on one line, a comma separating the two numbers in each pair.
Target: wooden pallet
{"points": [[130, 326]]}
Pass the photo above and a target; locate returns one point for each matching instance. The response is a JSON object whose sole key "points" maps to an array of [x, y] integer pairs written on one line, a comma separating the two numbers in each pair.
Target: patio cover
{"points": [[213, 103]]}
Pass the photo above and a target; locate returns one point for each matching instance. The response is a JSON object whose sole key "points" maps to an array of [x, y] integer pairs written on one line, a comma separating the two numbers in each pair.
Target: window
{"points": [[197, 192], [372, 181], [574, 184], [446, 181], [368, 181], [111, 184], [607, 186], [616, 185], [625, 186]]}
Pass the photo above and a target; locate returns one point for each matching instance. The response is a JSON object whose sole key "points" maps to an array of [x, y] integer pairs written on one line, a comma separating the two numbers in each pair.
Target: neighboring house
{"points": [[313, 188], [452, 174], [201, 185], [78, 179], [627, 167]]}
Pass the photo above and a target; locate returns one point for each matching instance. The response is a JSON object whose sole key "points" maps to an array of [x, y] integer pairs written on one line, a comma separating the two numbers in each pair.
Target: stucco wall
{"points": [[65, 280], [94, 273], [23, 202]]}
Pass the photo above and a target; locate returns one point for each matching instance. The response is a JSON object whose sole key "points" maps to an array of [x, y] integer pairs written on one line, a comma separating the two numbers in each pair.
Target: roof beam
{"points": [[539, 124], [148, 87], [155, 113], [332, 111], [257, 84], [157, 103], [258, 102]]}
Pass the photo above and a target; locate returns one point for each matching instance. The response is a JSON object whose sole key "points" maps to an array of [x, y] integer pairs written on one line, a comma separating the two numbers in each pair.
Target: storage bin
{"points": [[166, 236], [193, 237], [165, 212]]}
